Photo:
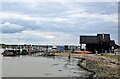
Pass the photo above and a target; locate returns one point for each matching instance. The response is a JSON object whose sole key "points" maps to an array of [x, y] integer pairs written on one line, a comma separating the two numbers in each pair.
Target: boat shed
{"points": [[100, 43]]}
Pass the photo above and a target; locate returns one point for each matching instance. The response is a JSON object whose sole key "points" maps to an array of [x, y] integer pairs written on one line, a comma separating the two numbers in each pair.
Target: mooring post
{"points": [[30, 49], [47, 50], [69, 56], [84, 52]]}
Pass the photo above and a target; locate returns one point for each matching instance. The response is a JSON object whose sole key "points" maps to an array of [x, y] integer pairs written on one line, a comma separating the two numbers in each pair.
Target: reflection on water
{"points": [[38, 66]]}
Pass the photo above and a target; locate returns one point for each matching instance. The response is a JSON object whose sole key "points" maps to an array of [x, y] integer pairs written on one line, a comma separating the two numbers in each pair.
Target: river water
{"points": [[38, 66], [1, 50]]}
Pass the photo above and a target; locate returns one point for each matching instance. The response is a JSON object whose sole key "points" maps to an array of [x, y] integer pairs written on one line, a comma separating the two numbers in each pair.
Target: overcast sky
{"points": [[56, 22]]}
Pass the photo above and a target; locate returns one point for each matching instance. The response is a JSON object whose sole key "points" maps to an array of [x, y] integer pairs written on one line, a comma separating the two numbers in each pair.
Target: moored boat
{"points": [[10, 53]]}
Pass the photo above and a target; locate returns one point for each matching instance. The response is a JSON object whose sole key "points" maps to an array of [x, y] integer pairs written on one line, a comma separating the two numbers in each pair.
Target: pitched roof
{"points": [[103, 37], [95, 39], [88, 39]]}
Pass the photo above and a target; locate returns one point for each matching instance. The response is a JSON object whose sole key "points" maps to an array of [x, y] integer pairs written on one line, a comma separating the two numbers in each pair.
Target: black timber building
{"points": [[100, 43]]}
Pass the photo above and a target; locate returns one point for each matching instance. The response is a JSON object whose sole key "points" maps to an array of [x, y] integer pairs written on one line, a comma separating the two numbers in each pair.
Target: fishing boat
{"points": [[10, 52]]}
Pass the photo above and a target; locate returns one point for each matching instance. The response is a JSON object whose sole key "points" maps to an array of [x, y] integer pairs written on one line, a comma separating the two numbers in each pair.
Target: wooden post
{"points": [[46, 51], [84, 50], [69, 56], [30, 49]]}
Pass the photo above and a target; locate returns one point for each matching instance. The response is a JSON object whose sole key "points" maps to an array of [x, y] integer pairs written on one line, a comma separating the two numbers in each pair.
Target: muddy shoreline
{"points": [[99, 68]]}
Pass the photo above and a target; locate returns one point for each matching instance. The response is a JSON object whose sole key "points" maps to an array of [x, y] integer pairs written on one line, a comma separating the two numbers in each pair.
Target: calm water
{"points": [[38, 66], [1, 50]]}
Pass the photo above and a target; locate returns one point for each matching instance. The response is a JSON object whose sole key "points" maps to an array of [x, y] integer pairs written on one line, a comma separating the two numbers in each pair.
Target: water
{"points": [[1, 50], [38, 66]]}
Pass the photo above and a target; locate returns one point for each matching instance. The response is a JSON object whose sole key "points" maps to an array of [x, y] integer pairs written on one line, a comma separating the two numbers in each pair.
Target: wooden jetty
{"points": [[13, 50], [44, 50]]}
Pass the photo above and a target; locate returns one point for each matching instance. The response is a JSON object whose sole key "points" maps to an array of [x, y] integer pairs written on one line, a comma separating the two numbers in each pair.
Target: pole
{"points": [[69, 56]]}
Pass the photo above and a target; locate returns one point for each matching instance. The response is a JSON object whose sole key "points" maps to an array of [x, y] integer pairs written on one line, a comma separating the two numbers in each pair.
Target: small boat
{"points": [[10, 53], [23, 52]]}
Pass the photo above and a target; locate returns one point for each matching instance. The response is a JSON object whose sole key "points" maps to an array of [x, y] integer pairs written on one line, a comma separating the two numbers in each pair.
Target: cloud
{"points": [[11, 28], [37, 34], [56, 22], [104, 17], [35, 37], [29, 1]]}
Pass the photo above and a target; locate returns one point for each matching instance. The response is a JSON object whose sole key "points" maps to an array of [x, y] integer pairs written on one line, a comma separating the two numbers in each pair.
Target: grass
{"points": [[109, 55]]}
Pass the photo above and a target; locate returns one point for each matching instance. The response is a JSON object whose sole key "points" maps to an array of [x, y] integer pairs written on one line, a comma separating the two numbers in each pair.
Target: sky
{"points": [[56, 23]]}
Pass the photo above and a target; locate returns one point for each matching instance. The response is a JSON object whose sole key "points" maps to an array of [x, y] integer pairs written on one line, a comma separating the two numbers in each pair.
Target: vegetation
{"points": [[109, 55]]}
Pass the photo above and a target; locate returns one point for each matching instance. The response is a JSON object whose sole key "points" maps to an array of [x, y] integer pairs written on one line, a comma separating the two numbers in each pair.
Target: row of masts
{"points": [[38, 49], [30, 49]]}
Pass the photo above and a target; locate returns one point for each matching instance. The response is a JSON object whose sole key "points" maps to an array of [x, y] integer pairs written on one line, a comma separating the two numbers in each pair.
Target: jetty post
{"points": [[47, 50], [69, 56], [30, 49], [69, 53]]}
